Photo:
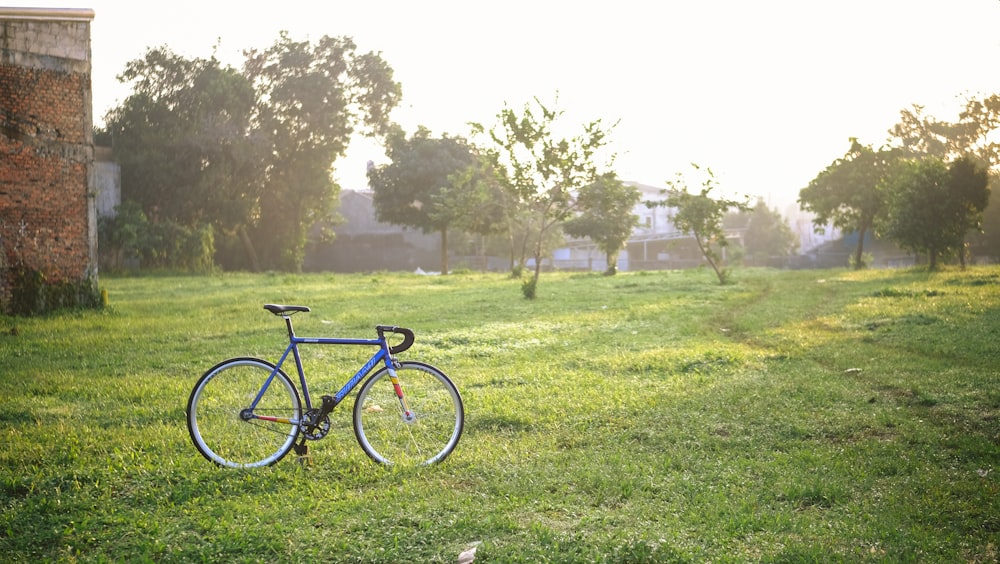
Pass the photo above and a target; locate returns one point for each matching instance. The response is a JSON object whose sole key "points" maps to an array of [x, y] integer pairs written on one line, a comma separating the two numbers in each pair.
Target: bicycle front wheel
{"points": [[221, 425], [427, 434]]}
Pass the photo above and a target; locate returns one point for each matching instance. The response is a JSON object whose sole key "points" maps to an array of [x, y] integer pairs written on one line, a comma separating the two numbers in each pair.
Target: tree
{"points": [[987, 242], [767, 234], [850, 193], [606, 217], [541, 171], [983, 119], [701, 216], [973, 136], [248, 152], [407, 189], [312, 97], [968, 198], [475, 201], [920, 135], [934, 205], [183, 140]]}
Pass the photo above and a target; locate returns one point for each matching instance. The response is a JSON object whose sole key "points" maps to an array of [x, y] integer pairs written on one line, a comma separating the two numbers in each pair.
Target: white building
{"points": [[653, 245]]}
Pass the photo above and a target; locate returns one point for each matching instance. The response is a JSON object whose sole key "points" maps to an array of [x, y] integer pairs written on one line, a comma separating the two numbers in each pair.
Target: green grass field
{"points": [[650, 416]]}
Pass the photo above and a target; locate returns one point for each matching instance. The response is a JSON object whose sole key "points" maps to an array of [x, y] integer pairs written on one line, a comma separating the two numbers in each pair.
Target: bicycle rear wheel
{"points": [[388, 436], [225, 433]]}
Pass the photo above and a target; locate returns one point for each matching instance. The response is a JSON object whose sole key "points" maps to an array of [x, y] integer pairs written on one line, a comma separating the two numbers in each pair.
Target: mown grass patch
{"points": [[653, 416]]}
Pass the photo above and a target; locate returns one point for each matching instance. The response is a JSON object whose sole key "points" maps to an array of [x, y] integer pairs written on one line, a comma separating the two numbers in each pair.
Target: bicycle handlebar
{"points": [[407, 334]]}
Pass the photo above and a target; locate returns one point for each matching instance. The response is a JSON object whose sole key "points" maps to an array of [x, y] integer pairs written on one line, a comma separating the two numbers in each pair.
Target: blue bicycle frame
{"points": [[383, 355]]}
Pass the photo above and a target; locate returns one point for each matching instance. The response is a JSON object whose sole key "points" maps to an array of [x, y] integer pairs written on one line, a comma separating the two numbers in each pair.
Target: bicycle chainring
{"points": [[312, 428]]}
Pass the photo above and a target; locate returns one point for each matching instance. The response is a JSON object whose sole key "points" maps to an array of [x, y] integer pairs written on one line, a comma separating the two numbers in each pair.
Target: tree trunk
{"points": [[932, 257], [707, 253], [513, 250], [612, 266], [538, 257], [858, 264], [524, 251]]}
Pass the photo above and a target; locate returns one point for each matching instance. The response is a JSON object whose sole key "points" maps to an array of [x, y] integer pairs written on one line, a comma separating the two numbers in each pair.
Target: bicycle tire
{"points": [[429, 437], [214, 414]]}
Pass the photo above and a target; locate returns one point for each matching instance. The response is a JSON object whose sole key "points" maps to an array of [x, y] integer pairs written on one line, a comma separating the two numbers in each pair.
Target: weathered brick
{"points": [[46, 147]]}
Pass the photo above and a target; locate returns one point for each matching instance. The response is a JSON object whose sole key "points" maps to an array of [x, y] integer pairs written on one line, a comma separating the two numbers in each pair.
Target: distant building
{"points": [[656, 243], [362, 243]]}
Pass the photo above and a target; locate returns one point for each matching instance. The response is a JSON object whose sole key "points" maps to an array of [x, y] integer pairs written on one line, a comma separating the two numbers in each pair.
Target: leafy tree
{"points": [[968, 198], [701, 216], [983, 117], [850, 193], [187, 159], [972, 136], [248, 152], [182, 139], [987, 242], [767, 234], [920, 135], [934, 205], [541, 171], [311, 98], [408, 189], [606, 216], [475, 201]]}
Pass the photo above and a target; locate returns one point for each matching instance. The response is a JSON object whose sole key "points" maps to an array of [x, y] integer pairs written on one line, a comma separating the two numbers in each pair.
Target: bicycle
{"points": [[246, 412]]}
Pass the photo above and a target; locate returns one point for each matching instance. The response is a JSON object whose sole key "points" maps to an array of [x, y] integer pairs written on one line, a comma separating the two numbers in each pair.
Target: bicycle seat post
{"points": [[288, 324]]}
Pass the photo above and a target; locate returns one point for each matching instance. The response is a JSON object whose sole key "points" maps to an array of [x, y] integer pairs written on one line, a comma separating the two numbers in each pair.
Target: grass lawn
{"points": [[651, 416]]}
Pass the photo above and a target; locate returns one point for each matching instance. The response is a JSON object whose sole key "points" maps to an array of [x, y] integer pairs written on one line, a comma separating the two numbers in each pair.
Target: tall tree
{"points": [[701, 215], [850, 193], [935, 204], [986, 243], [183, 140], [983, 117], [607, 216], [407, 189], [312, 97], [920, 135], [541, 170], [251, 153], [968, 198], [973, 136]]}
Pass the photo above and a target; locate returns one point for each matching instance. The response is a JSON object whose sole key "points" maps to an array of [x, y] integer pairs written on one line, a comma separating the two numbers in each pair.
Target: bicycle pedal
{"points": [[301, 449]]}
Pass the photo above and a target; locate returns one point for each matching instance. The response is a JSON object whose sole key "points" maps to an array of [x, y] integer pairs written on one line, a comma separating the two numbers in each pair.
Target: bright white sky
{"points": [[766, 93]]}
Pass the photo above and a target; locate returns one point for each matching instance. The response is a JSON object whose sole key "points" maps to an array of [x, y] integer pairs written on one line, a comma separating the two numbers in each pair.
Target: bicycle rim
{"points": [[386, 435], [215, 405]]}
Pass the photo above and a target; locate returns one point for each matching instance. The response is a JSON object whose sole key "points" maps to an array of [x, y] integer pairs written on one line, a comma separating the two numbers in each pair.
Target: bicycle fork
{"points": [[408, 415]]}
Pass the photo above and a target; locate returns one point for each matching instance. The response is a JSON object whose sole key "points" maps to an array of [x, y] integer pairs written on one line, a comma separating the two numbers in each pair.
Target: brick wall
{"points": [[47, 215]]}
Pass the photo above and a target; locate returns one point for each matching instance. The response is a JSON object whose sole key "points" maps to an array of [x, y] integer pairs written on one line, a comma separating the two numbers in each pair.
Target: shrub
{"points": [[528, 288], [32, 295]]}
